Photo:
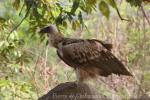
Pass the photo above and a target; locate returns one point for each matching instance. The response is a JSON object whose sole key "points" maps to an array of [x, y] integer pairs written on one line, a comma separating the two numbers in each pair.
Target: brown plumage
{"points": [[89, 57]]}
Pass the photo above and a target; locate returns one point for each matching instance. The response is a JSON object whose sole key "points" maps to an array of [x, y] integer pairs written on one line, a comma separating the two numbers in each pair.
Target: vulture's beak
{"points": [[44, 30]]}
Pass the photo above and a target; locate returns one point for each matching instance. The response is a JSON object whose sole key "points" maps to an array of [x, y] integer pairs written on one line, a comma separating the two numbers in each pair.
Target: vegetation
{"points": [[29, 67]]}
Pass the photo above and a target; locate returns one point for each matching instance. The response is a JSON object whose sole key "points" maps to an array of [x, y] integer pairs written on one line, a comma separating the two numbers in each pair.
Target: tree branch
{"points": [[28, 10], [21, 9], [119, 12], [120, 15], [143, 11]]}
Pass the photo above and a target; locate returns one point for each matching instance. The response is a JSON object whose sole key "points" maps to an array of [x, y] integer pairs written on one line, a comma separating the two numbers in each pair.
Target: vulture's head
{"points": [[50, 30], [54, 36]]}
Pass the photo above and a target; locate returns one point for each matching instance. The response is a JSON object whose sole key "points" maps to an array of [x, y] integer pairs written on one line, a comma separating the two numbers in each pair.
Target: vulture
{"points": [[89, 57]]}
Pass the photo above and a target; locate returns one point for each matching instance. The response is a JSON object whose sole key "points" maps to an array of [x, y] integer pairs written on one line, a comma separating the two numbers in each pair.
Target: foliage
{"points": [[44, 12]]}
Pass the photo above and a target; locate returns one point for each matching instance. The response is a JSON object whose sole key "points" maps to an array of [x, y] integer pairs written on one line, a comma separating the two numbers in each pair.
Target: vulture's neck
{"points": [[55, 38]]}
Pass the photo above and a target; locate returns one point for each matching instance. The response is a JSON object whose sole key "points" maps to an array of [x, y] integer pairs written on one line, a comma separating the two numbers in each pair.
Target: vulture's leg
{"points": [[81, 75], [77, 74]]}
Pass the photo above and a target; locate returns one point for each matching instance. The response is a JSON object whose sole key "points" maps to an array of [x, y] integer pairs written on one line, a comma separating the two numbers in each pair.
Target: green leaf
{"points": [[74, 25], [16, 4], [2, 20], [135, 2], [4, 82], [75, 6], [103, 7], [80, 18], [112, 3], [64, 23], [88, 5]]}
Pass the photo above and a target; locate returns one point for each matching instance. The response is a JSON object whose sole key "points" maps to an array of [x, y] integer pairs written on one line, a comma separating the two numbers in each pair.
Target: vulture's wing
{"points": [[89, 54]]}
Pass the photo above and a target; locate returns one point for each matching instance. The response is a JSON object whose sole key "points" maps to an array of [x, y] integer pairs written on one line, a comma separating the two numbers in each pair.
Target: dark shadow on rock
{"points": [[73, 91]]}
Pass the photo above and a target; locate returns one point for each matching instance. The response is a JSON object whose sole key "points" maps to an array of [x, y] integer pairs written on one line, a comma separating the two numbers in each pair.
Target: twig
{"points": [[119, 13], [143, 11], [45, 64], [33, 74], [113, 91], [86, 28], [19, 23], [137, 82], [21, 9]]}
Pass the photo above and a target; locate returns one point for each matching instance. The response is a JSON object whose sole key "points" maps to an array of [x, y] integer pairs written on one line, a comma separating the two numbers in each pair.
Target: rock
{"points": [[73, 91]]}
